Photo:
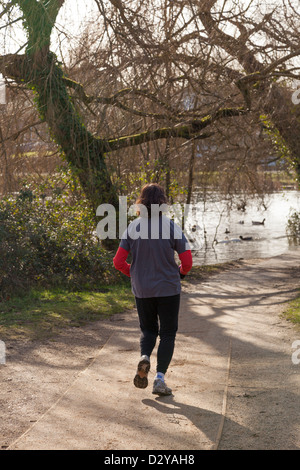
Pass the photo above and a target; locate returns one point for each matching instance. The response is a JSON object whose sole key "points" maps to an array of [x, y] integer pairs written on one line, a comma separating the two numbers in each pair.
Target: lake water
{"points": [[216, 237]]}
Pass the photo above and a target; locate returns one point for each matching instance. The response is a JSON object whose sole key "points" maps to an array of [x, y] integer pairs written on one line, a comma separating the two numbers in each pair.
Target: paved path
{"points": [[233, 380]]}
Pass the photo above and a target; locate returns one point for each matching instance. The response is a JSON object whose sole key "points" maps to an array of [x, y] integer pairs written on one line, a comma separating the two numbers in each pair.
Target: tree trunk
{"points": [[83, 151]]}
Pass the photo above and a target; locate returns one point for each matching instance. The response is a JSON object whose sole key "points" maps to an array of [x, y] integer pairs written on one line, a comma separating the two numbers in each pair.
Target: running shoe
{"points": [[160, 388], [141, 378]]}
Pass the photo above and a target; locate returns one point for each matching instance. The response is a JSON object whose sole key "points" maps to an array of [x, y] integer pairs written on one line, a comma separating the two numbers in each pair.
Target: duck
{"points": [[241, 206], [227, 231], [258, 223], [245, 239], [227, 240]]}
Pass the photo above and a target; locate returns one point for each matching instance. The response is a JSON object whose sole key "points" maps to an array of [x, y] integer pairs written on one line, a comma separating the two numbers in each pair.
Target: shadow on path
{"points": [[204, 420]]}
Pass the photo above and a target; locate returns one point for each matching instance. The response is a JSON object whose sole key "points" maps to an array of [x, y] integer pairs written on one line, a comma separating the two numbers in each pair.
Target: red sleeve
{"points": [[120, 261], [186, 261]]}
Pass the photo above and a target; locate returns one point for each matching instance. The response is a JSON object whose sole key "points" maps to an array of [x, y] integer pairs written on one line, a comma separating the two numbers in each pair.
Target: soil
{"points": [[37, 373]]}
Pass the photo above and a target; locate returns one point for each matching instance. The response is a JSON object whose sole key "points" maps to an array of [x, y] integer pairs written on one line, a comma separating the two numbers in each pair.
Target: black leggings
{"points": [[158, 316]]}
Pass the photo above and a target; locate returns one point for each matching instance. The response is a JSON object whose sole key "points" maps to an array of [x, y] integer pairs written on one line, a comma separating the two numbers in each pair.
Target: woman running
{"points": [[152, 239]]}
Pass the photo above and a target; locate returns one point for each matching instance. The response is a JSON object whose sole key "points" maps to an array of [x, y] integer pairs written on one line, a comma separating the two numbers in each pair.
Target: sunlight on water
{"points": [[217, 231]]}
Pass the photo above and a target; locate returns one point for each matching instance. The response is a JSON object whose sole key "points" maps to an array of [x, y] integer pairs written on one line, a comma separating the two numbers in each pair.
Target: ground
{"points": [[234, 383]]}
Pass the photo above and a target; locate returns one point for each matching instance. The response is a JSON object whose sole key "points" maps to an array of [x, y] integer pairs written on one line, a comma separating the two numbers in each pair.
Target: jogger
{"points": [[155, 276]]}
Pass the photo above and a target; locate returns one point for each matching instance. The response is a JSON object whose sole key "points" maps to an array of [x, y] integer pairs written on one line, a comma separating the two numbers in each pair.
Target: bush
{"points": [[293, 226], [47, 238]]}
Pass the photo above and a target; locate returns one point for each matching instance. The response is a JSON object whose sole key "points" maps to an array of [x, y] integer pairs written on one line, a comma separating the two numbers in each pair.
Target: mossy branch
{"points": [[188, 131]]}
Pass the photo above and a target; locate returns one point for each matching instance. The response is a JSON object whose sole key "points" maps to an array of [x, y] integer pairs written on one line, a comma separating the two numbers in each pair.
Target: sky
{"points": [[71, 20], [73, 16]]}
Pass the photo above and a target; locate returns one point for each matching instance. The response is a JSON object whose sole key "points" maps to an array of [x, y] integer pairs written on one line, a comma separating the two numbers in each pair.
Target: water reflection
{"points": [[257, 231]]}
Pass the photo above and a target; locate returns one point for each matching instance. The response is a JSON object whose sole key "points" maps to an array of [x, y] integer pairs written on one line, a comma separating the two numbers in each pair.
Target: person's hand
{"points": [[182, 276]]}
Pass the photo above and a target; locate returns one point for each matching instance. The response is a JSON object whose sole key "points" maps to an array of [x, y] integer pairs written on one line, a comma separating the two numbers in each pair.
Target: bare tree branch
{"points": [[15, 135]]}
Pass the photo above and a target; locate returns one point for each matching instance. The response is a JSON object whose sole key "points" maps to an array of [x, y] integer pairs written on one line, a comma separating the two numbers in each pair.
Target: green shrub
{"points": [[293, 226], [48, 238]]}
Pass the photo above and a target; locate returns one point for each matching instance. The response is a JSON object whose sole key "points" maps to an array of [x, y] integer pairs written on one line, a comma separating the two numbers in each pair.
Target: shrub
{"points": [[48, 238], [293, 226]]}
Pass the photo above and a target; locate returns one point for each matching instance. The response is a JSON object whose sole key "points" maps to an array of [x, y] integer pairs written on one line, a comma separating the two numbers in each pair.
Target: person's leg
{"points": [[147, 312], [168, 309]]}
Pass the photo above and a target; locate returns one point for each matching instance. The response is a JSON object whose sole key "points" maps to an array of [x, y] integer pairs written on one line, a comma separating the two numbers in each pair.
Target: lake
{"points": [[217, 230]]}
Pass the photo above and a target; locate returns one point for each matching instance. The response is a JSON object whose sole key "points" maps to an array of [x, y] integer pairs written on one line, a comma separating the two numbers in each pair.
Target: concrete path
{"points": [[234, 383]]}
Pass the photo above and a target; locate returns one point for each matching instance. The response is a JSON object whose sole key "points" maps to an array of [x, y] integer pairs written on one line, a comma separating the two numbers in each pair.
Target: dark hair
{"points": [[151, 193]]}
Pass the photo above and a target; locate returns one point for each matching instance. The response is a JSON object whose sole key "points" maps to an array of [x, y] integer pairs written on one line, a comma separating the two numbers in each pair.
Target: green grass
{"points": [[40, 314], [293, 311]]}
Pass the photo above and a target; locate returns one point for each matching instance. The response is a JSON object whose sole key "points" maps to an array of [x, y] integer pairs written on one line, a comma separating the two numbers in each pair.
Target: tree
{"points": [[263, 43], [39, 69], [172, 69], [212, 44]]}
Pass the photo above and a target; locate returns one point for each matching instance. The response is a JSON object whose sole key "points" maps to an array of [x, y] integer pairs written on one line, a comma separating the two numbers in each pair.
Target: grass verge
{"points": [[40, 314], [292, 313]]}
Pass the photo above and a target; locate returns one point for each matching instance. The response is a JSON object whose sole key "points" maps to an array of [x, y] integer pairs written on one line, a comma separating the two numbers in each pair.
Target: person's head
{"points": [[151, 193]]}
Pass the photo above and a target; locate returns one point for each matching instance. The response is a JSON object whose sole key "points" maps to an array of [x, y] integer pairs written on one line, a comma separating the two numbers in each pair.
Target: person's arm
{"points": [[183, 249], [120, 261], [186, 262]]}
